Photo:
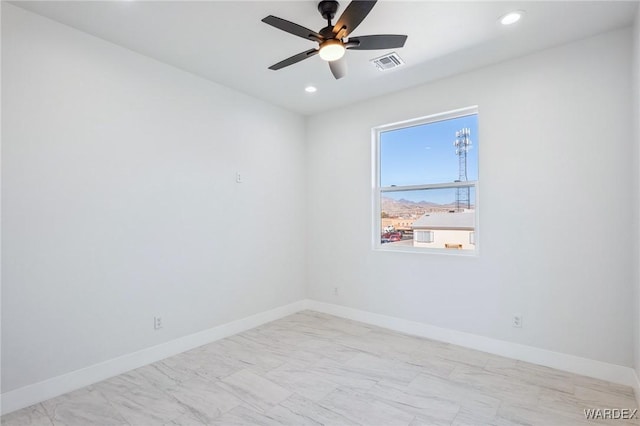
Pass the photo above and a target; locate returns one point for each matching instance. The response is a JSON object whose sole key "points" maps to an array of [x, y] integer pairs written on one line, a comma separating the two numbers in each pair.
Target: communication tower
{"points": [[462, 145]]}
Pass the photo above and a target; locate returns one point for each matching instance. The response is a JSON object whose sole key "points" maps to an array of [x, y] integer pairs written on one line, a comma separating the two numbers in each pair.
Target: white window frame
{"points": [[377, 190]]}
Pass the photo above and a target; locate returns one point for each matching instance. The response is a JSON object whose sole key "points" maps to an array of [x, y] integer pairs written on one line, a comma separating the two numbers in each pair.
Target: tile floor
{"points": [[315, 369]]}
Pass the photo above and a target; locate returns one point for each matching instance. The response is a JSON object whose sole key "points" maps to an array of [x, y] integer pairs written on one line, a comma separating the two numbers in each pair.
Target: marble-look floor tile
{"points": [[360, 408], [367, 342], [158, 375], [462, 355], [255, 391], [596, 384], [203, 399], [283, 338], [429, 363], [501, 421], [270, 339], [187, 419], [306, 316], [212, 365], [83, 407], [426, 420], [430, 408], [348, 327], [279, 352], [244, 354], [398, 345], [495, 385], [178, 368], [514, 370], [245, 416], [378, 368], [380, 343], [572, 406], [319, 315], [302, 381], [138, 401], [34, 415], [303, 358], [605, 397], [527, 414], [297, 410], [337, 373], [313, 368], [330, 350], [469, 398], [470, 417], [310, 328], [318, 331]]}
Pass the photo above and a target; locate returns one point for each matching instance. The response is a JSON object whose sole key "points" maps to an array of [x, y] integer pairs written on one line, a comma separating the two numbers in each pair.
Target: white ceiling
{"points": [[224, 41]]}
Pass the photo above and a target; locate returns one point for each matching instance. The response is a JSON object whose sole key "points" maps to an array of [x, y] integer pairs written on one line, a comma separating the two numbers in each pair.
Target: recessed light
{"points": [[511, 17], [310, 89]]}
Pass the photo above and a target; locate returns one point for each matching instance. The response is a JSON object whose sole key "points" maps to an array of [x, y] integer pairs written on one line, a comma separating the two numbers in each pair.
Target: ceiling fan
{"points": [[331, 39]]}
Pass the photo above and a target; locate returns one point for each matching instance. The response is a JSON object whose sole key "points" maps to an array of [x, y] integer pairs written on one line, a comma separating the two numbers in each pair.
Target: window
{"points": [[423, 236], [426, 183]]}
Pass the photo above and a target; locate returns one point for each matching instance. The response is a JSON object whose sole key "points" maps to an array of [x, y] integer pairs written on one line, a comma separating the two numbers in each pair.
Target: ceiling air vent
{"points": [[388, 61]]}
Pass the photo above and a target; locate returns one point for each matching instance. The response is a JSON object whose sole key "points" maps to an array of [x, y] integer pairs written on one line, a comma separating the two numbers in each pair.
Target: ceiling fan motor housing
{"points": [[328, 9], [327, 32]]}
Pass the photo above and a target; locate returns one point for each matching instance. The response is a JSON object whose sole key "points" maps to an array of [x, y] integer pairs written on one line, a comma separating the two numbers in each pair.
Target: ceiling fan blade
{"points": [[373, 42], [294, 59], [292, 28], [338, 68], [352, 17]]}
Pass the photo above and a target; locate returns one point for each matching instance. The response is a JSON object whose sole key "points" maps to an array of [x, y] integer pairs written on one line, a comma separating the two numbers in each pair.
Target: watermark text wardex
{"points": [[610, 413]]}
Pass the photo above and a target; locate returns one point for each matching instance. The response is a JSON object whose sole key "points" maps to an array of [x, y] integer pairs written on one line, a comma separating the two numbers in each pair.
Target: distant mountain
{"points": [[408, 208]]}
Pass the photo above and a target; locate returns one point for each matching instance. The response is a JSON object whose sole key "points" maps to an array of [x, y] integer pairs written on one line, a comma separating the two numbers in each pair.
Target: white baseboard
{"points": [[50, 388], [571, 363]]}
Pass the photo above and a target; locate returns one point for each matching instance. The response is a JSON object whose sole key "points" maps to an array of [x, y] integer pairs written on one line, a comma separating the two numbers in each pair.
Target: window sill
{"points": [[419, 250]]}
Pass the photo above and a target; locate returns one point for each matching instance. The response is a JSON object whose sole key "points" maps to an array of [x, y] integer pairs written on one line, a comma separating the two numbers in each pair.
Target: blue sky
{"points": [[425, 154]]}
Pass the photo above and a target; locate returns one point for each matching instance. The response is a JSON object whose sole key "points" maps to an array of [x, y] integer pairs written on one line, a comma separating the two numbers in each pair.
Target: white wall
{"points": [[636, 179], [555, 191], [120, 203]]}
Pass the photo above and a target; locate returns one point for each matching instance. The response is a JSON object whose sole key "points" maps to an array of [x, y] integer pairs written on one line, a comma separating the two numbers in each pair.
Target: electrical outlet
{"points": [[335, 291], [157, 323], [238, 178], [517, 321]]}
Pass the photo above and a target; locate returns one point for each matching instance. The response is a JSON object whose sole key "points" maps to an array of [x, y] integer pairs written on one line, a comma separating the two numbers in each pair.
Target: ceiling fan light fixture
{"points": [[511, 17], [331, 50]]}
